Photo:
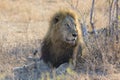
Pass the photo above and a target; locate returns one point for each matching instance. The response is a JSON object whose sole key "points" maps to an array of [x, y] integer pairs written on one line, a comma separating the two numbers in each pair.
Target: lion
{"points": [[62, 42]]}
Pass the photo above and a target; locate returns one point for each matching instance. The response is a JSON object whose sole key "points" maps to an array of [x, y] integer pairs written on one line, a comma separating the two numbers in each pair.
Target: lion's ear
{"points": [[56, 19]]}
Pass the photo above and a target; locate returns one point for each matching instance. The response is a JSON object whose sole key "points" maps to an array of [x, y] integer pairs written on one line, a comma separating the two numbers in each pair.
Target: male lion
{"points": [[62, 40]]}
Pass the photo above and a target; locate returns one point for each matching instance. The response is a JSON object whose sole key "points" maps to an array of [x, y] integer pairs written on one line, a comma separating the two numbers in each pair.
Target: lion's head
{"points": [[64, 27]]}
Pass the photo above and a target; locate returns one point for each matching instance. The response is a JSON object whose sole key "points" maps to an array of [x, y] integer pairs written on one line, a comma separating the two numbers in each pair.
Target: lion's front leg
{"points": [[77, 55]]}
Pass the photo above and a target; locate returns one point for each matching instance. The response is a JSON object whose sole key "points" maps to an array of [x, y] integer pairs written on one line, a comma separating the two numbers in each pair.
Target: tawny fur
{"points": [[54, 50]]}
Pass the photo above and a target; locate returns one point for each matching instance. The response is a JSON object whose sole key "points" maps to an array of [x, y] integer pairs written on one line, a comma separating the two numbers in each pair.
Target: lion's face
{"points": [[68, 32]]}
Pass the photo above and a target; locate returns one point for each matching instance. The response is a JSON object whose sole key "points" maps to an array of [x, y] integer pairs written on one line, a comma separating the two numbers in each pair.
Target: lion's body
{"points": [[62, 41]]}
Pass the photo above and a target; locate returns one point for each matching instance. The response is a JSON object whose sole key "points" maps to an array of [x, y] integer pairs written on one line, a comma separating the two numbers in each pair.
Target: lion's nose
{"points": [[74, 34]]}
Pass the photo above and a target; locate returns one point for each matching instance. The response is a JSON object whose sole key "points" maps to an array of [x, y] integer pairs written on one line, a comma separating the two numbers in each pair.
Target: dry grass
{"points": [[23, 23]]}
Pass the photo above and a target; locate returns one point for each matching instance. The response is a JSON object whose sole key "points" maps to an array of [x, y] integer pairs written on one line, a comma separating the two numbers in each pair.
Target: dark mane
{"points": [[56, 58]]}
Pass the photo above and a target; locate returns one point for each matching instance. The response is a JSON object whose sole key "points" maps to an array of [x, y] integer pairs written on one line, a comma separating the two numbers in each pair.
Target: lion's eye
{"points": [[68, 26]]}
